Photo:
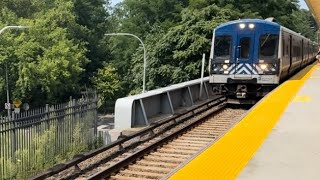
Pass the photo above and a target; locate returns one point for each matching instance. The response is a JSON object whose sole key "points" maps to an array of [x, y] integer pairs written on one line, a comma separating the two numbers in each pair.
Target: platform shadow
{"points": [[299, 75]]}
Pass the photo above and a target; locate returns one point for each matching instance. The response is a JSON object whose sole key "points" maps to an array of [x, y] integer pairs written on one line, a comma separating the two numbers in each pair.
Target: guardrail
{"points": [[144, 109]]}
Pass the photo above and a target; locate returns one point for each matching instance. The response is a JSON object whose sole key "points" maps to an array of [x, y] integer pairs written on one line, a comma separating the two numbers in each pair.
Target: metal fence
{"points": [[37, 139]]}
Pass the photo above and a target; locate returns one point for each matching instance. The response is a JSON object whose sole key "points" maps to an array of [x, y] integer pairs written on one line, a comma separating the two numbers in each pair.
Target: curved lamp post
{"points": [[144, 55], [12, 27], [1, 31]]}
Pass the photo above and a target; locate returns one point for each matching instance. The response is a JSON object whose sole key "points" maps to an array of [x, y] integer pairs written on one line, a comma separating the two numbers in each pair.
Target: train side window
{"points": [[296, 51], [268, 46], [222, 47], [245, 47]]}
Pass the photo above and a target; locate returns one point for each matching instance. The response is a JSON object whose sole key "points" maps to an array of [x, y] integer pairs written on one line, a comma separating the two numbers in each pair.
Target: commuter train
{"points": [[250, 57]]}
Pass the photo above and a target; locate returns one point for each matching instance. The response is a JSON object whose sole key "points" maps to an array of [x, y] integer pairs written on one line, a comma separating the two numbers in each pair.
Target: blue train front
{"points": [[251, 57]]}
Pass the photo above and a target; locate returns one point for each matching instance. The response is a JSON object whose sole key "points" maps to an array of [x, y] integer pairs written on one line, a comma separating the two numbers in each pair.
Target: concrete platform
{"points": [[277, 139], [292, 150]]}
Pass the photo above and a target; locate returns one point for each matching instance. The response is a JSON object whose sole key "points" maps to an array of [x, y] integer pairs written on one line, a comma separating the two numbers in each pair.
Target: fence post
{"points": [[47, 116], [14, 137], [95, 104]]}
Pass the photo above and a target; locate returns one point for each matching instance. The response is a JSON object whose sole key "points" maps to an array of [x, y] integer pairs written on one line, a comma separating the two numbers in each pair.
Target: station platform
{"points": [[277, 139]]}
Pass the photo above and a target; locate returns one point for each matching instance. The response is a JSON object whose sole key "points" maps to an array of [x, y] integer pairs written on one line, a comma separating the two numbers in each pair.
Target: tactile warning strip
{"points": [[229, 155]]}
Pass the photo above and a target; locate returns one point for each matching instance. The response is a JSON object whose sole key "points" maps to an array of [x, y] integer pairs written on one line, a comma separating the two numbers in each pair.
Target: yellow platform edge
{"points": [[230, 154]]}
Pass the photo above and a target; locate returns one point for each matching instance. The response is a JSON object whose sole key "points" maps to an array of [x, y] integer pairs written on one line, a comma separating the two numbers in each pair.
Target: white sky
{"points": [[302, 3]]}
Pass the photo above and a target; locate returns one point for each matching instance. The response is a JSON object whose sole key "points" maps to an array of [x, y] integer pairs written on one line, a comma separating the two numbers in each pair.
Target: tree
{"points": [[93, 16], [45, 62], [175, 55], [139, 17], [66, 45], [304, 23], [107, 83]]}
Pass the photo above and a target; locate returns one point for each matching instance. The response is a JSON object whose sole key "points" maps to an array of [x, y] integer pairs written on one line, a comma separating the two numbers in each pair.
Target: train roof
{"points": [[257, 21], [261, 22], [292, 32]]}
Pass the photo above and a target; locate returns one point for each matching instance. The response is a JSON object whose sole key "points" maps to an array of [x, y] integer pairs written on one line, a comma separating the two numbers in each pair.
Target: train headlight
{"points": [[242, 25], [263, 66], [225, 67], [251, 26]]}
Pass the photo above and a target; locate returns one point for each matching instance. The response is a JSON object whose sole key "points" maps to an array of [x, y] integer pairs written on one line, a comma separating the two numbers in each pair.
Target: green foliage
{"points": [[301, 20], [44, 157], [10, 166], [45, 146], [45, 63], [175, 56], [65, 49], [79, 144], [94, 18], [139, 16], [107, 83]]}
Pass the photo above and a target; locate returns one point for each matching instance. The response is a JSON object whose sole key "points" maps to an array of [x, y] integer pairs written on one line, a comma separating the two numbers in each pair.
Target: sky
{"points": [[114, 2], [301, 2]]}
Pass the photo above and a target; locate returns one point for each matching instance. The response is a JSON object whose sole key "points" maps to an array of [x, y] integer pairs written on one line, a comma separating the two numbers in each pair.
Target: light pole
{"points": [[1, 31], [144, 55]]}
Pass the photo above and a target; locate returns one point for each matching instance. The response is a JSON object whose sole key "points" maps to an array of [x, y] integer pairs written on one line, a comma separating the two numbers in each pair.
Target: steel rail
{"points": [[82, 157], [142, 152]]}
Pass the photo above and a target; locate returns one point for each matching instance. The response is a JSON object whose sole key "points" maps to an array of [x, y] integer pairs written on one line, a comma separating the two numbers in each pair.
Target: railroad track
{"points": [[154, 152], [168, 156]]}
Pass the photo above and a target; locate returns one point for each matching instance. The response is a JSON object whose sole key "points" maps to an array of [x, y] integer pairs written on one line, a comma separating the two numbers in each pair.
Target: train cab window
{"points": [[245, 48], [222, 47], [268, 46]]}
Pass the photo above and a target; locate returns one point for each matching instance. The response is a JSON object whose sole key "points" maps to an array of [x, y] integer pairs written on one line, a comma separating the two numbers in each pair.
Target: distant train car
{"points": [[251, 57]]}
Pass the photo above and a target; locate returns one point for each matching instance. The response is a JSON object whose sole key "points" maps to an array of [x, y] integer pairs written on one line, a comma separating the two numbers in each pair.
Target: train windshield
{"points": [[268, 46], [222, 47], [245, 48]]}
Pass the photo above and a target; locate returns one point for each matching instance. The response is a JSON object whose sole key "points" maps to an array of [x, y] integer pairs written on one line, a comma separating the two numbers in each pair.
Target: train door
{"points": [[244, 56]]}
